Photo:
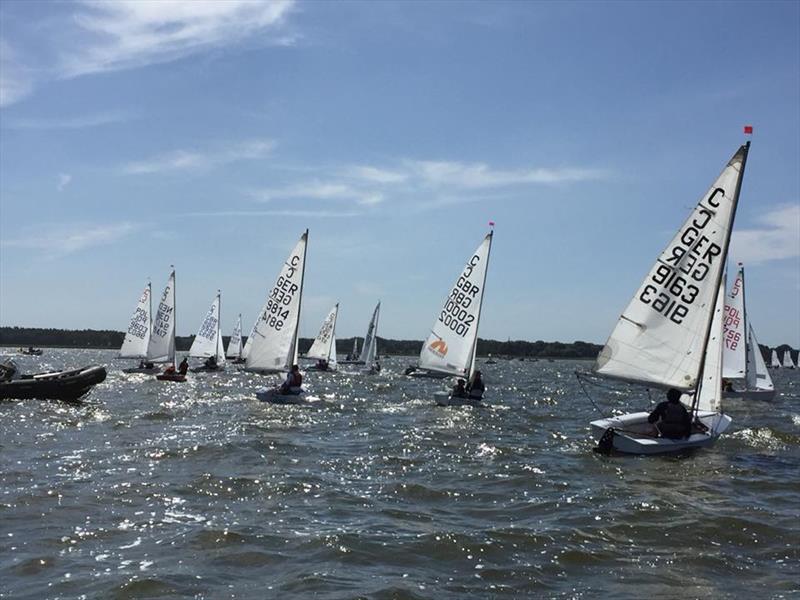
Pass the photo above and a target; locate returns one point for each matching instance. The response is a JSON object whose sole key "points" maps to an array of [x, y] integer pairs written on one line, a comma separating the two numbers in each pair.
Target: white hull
{"points": [[765, 395], [445, 399], [422, 374], [273, 396], [634, 435]]}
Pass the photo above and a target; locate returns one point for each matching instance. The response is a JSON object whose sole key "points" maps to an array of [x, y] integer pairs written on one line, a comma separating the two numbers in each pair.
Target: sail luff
{"points": [[661, 336], [709, 396]]}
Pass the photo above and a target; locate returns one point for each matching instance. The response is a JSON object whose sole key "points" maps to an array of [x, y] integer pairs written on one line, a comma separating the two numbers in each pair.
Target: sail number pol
{"points": [[671, 289]]}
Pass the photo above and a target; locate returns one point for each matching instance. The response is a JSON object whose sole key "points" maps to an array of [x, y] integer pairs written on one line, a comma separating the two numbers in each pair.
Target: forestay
{"points": [[206, 342], [450, 347], [137, 338], [161, 347], [710, 394], [325, 340], [372, 331], [274, 338], [235, 343], [660, 337], [734, 361]]}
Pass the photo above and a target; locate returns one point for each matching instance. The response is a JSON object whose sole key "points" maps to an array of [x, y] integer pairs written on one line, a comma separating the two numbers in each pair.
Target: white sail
{"points": [[162, 338], [775, 362], [235, 343], [137, 338], [207, 340], [371, 332], [710, 394], [332, 361], [762, 379], [372, 335], [788, 363], [450, 347], [274, 338], [660, 337], [355, 348], [321, 348], [251, 337], [734, 362]]}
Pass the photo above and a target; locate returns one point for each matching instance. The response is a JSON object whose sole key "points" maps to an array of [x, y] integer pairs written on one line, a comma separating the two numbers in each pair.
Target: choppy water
{"points": [[198, 490]]}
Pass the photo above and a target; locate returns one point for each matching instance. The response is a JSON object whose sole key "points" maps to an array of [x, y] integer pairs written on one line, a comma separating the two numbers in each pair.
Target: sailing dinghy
{"points": [[670, 334], [775, 362], [360, 359], [137, 338], [743, 367], [161, 348], [788, 363], [208, 341], [323, 350], [273, 343], [234, 351], [370, 350], [451, 346]]}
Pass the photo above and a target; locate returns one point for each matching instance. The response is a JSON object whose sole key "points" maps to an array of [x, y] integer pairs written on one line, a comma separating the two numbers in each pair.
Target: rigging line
{"points": [[585, 393]]}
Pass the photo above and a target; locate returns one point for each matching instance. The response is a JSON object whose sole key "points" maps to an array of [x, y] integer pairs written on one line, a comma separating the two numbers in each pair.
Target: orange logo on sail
{"points": [[439, 347]]}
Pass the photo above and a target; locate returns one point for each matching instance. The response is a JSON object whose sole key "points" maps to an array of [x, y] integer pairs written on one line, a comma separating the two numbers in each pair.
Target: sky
{"points": [[210, 135]]}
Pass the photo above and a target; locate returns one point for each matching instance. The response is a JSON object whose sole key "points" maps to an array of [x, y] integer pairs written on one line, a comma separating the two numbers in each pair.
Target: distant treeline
{"points": [[104, 338]]}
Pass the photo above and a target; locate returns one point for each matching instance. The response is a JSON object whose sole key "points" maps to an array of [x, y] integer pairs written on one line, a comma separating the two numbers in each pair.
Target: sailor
{"points": [[322, 364], [459, 391], [211, 363], [184, 366], [476, 388], [671, 418], [293, 383]]}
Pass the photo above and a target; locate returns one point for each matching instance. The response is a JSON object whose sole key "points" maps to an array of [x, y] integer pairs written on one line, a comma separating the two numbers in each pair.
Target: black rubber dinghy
{"points": [[68, 386]]}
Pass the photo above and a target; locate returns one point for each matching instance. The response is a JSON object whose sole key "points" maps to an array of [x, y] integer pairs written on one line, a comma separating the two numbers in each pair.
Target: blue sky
{"points": [[210, 135]]}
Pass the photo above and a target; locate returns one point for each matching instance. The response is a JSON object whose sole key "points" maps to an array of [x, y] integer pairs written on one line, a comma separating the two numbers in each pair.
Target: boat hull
{"points": [[421, 374], [172, 377], [765, 395], [632, 434], [146, 371], [445, 399], [273, 396], [68, 386]]}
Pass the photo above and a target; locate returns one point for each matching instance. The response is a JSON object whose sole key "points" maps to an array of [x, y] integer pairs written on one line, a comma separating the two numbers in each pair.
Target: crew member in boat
{"points": [[184, 366], [145, 364], [211, 363], [322, 364], [293, 383], [671, 418], [459, 391], [476, 387]]}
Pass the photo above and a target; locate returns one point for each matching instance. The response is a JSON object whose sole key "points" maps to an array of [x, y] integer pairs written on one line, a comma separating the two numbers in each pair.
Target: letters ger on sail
{"points": [[660, 337]]}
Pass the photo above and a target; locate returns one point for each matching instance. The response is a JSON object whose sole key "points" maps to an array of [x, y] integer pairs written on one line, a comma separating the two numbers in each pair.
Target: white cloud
{"points": [[317, 190], [132, 33], [64, 180], [16, 80], [321, 214], [480, 175], [74, 122], [777, 237], [193, 159], [57, 241], [376, 175]]}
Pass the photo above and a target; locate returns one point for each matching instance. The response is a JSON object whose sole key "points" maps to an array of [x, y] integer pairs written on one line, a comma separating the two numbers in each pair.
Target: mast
{"points": [[471, 368], [175, 317], [240, 337], [219, 328], [720, 278], [300, 302]]}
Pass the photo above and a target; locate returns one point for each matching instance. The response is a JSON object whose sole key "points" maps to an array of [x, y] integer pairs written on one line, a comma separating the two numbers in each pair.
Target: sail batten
{"points": [[274, 338], [450, 347], [137, 338], [660, 340]]}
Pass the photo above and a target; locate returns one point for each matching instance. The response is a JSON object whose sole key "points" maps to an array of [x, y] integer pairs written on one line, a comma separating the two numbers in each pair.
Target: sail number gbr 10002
{"points": [[673, 285], [456, 315]]}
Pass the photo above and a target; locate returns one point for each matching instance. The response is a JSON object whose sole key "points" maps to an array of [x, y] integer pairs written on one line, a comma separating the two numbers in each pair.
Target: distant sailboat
{"points": [[788, 363], [208, 341], [775, 363], [274, 341], [137, 338], [161, 348], [324, 347], [360, 359], [369, 353], [235, 343], [671, 333], [742, 364]]}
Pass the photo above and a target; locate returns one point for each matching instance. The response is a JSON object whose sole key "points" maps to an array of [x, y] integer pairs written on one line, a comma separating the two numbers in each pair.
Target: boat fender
{"points": [[606, 443]]}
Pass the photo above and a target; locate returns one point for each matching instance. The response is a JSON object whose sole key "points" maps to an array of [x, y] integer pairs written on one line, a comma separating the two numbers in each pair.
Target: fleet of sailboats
{"points": [[743, 367], [670, 336], [360, 359]]}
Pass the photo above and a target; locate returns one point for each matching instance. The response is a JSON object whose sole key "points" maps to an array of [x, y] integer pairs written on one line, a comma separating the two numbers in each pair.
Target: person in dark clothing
{"points": [[476, 388], [671, 418], [184, 366], [459, 391], [293, 383]]}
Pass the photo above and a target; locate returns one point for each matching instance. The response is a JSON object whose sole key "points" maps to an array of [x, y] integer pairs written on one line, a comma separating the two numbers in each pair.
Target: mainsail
{"points": [[451, 345], [734, 362], [661, 336], [788, 363], [274, 337], [207, 341], [161, 347], [762, 379], [325, 343], [372, 331], [235, 343], [775, 361], [137, 338]]}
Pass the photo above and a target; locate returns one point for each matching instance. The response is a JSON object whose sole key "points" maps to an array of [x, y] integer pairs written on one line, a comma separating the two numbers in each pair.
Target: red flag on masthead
{"points": [[748, 129], [491, 223]]}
